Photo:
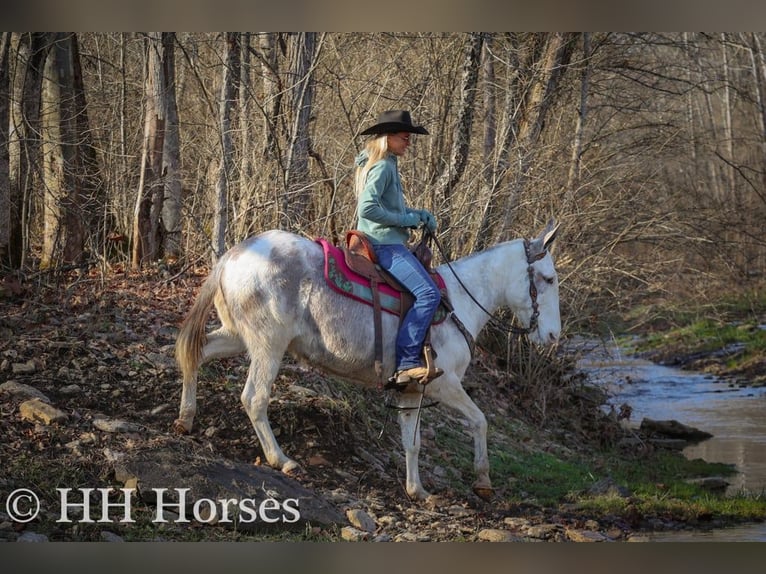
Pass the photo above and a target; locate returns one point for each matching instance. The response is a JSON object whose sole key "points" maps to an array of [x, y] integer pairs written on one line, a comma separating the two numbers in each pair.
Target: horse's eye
{"points": [[550, 280]]}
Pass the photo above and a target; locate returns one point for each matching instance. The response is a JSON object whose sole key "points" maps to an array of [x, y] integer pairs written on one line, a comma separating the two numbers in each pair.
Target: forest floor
{"points": [[101, 348]]}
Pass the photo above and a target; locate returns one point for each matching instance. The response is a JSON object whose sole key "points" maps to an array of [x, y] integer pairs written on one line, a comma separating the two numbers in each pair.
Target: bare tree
{"points": [[226, 164], [573, 179], [541, 60], [461, 134], [268, 43], [5, 188], [171, 158], [26, 59], [146, 217], [70, 171], [556, 53], [304, 50]]}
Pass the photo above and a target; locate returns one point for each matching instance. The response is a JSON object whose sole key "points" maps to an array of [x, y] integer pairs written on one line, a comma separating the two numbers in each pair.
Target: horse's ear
{"points": [[549, 234]]}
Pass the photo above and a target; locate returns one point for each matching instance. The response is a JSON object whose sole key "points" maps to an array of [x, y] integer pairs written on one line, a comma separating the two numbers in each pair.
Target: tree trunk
{"points": [[573, 179], [513, 89], [225, 170], [461, 134], [297, 189], [5, 187], [272, 92], [146, 225], [65, 200], [556, 55], [171, 158], [247, 199], [28, 53], [729, 179]]}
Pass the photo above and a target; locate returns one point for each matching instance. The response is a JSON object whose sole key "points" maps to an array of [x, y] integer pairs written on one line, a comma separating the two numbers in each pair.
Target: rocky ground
{"points": [[90, 390]]}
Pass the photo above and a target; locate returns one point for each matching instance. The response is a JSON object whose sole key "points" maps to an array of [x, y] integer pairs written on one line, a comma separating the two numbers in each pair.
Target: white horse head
{"points": [[542, 316]]}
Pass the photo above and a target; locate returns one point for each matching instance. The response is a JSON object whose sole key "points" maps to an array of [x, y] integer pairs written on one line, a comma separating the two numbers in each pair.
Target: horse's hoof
{"points": [[179, 428], [419, 495], [484, 492], [293, 469]]}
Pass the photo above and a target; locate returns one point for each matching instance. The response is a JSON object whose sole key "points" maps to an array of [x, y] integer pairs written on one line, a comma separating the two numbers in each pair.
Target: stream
{"points": [[734, 415]]}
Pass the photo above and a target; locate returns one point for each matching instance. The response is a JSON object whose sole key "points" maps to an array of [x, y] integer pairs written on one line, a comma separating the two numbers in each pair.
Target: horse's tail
{"points": [[191, 338]]}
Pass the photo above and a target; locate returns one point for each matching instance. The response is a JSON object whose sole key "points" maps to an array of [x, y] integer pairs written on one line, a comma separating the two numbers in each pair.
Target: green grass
{"points": [[541, 476]]}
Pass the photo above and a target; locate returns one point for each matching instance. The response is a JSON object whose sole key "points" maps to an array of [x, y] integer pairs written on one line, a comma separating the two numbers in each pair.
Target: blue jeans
{"points": [[407, 270]]}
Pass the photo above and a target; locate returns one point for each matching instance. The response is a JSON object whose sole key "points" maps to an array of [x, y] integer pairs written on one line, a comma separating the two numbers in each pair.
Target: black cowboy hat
{"points": [[394, 121]]}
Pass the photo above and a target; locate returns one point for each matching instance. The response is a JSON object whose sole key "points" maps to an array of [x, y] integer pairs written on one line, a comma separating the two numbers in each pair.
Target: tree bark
{"points": [[67, 163], [27, 55], [171, 158], [146, 227], [461, 134], [225, 169], [297, 189], [573, 179], [247, 198], [272, 92], [5, 187], [554, 61]]}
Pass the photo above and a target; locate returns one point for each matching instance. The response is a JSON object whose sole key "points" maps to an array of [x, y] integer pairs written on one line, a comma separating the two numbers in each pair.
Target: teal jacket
{"points": [[381, 210]]}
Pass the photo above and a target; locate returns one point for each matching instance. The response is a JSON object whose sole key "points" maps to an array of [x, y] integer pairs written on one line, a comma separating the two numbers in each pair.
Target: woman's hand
{"points": [[411, 219], [428, 219]]}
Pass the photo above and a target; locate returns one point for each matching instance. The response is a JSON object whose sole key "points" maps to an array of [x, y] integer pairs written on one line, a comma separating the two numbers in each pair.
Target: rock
{"points": [[361, 520], [29, 536], [107, 536], [516, 522], [406, 537], [160, 408], [542, 531], [23, 368], [351, 534], [608, 487], [495, 535], [116, 425], [211, 481], [36, 410], [584, 535], [674, 430], [669, 443], [711, 483], [113, 455], [460, 511], [23, 391]]}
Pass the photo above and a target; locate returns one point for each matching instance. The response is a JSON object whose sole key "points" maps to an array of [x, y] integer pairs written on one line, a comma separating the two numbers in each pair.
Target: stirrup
{"points": [[422, 375]]}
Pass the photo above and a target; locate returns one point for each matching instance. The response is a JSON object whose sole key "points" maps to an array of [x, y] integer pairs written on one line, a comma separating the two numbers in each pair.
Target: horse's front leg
{"points": [[449, 392], [409, 422]]}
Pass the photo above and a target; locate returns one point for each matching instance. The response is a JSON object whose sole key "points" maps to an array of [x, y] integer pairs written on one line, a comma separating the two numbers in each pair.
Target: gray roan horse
{"points": [[271, 298]]}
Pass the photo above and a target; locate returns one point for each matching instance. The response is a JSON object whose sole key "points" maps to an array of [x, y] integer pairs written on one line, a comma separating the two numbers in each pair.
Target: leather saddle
{"points": [[360, 258]]}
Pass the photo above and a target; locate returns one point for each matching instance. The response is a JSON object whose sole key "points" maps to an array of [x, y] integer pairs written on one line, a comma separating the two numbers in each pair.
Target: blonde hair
{"points": [[377, 149]]}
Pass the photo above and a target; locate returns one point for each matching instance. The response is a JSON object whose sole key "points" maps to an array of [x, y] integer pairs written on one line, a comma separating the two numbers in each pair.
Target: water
{"points": [[733, 415]]}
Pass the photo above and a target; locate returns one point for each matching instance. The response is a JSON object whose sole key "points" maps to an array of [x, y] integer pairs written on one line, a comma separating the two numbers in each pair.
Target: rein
{"points": [[532, 289]]}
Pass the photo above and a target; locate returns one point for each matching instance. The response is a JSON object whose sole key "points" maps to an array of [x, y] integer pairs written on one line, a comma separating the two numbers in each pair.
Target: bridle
{"points": [[532, 288]]}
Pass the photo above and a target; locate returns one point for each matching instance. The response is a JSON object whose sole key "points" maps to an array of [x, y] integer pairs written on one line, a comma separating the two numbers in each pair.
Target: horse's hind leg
{"points": [[410, 427], [255, 398], [220, 344]]}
